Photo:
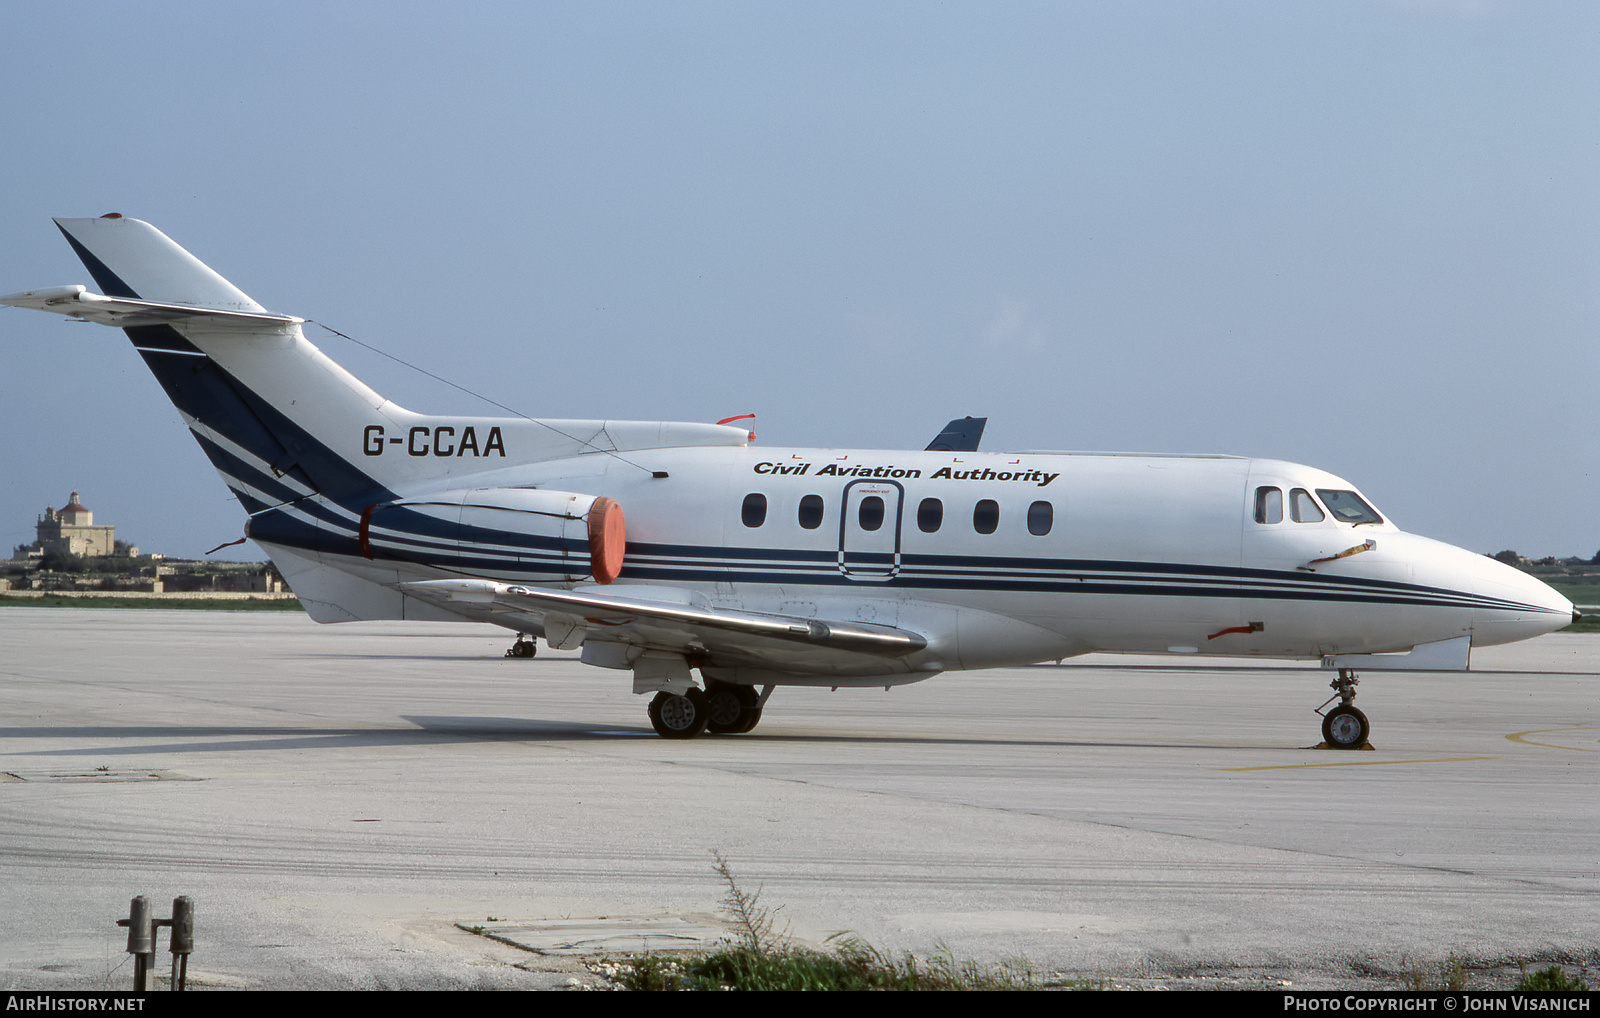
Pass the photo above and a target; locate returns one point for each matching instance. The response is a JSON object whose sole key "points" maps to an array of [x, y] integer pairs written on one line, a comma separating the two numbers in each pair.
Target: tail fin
{"points": [[290, 430], [279, 419], [237, 373]]}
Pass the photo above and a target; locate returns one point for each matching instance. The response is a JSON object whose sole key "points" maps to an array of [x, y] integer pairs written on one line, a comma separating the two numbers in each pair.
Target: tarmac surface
{"points": [[337, 799]]}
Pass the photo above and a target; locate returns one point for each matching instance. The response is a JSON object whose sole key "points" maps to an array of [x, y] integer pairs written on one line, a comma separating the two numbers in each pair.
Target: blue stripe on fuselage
{"points": [[810, 568]]}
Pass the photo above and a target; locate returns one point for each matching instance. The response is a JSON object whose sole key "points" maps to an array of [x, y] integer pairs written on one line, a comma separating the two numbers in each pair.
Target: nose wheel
{"points": [[1344, 727]]}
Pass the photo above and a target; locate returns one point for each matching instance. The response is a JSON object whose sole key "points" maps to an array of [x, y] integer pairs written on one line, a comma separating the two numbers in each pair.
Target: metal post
{"points": [[142, 928], [182, 939], [141, 940]]}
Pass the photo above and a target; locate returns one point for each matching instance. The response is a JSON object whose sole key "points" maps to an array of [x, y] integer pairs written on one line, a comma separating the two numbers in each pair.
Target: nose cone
{"points": [[1514, 606], [1474, 595]]}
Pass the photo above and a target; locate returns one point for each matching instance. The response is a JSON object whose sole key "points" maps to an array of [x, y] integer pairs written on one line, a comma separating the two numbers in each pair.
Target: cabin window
{"points": [[1348, 507], [986, 516], [754, 511], [870, 513], [1269, 505], [1303, 508], [811, 512], [1041, 516], [930, 515]]}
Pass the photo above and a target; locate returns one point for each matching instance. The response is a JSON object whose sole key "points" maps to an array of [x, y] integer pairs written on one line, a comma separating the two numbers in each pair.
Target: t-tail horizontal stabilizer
{"points": [[124, 312]]}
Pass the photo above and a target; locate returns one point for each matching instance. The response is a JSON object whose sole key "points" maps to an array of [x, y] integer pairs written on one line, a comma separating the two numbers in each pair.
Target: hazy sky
{"points": [[1362, 235]]}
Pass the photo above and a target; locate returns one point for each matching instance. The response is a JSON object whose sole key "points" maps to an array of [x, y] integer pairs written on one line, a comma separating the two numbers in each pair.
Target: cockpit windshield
{"points": [[1348, 507]]}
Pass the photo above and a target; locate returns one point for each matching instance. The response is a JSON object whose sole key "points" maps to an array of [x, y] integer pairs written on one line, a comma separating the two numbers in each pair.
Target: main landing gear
{"points": [[524, 647], [679, 715], [731, 709], [724, 708], [1344, 727]]}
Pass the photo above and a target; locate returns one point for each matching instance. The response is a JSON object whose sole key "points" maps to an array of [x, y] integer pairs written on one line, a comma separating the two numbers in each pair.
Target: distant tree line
{"points": [[1511, 558]]}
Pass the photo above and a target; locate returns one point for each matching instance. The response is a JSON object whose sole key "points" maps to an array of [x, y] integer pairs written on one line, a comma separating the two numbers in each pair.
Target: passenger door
{"points": [[869, 530]]}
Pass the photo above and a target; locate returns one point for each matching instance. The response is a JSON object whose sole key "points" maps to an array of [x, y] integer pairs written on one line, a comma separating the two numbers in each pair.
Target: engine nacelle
{"points": [[501, 532]]}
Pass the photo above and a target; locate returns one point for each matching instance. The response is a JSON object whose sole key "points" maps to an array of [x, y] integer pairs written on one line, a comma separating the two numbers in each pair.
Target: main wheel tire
{"points": [[748, 721], [726, 708], [679, 717], [1345, 727], [523, 648]]}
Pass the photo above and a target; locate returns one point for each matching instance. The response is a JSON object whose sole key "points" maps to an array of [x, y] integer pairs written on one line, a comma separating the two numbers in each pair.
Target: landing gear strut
{"points": [[1344, 727], [524, 647]]}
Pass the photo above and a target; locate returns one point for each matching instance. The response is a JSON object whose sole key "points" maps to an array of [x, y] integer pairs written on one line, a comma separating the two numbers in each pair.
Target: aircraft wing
{"points": [[677, 621], [961, 435]]}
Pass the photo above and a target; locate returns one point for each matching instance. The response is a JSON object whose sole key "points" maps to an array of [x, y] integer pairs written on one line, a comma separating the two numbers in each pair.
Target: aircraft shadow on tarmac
{"points": [[441, 729], [254, 738]]}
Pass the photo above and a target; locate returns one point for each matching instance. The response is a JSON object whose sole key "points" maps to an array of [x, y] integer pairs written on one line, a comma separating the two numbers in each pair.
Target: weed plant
{"points": [[1552, 979], [761, 958]]}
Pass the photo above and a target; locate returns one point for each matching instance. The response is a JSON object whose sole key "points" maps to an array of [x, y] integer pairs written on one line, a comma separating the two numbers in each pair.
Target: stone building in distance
{"points": [[72, 531], [72, 555]]}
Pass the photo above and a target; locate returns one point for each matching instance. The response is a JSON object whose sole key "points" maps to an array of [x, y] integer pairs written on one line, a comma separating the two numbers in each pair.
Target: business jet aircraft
{"points": [[768, 567]]}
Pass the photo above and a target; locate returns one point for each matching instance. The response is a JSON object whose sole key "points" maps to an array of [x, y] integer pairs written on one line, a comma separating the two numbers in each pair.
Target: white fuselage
{"points": [[1028, 556]]}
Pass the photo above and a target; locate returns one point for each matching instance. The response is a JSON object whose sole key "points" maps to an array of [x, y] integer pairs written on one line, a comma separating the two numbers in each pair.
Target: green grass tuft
{"points": [[761, 959], [1551, 979], [853, 965]]}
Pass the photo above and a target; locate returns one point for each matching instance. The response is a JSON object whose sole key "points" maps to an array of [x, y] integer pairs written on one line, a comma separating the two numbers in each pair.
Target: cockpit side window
{"points": [[1348, 507], [1269, 505], [1303, 508]]}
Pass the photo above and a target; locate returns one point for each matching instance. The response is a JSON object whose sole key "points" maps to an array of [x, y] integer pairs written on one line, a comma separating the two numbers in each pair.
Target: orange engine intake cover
{"points": [[608, 539]]}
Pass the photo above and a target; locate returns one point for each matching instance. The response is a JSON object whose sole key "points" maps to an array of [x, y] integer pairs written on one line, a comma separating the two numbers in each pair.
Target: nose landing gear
{"points": [[1344, 727]]}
